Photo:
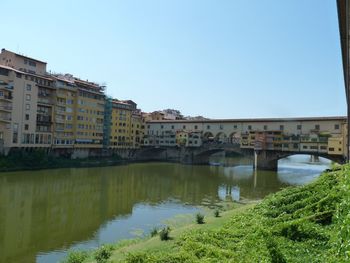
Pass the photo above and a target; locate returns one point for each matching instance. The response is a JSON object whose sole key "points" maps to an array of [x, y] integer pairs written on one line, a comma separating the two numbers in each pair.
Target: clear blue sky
{"points": [[217, 58]]}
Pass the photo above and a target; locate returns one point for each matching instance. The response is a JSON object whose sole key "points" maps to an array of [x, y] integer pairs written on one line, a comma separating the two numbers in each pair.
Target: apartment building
{"points": [[45, 110], [137, 129], [65, 111], [120, 135], [89, 114], [32, 102]]}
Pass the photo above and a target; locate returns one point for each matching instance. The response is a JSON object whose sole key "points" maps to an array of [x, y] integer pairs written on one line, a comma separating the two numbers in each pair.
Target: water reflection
{"points": [[44, 213]]}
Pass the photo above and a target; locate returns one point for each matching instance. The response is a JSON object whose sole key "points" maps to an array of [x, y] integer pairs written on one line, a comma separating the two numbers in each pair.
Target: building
{"points": [[137, 129], [27, 102], [90, 104], [41, 110], [65, 124], [120, 135]]}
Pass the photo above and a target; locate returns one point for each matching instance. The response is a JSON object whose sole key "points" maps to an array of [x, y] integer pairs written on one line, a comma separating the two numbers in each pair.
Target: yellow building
{"points": [[336, 146], [89, 114], [65, 112], [137, 129], [121, 135]]}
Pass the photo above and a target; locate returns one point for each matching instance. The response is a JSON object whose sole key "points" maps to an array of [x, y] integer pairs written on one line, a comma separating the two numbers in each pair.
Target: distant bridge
{"points": [[264, 140], [265, 159]]}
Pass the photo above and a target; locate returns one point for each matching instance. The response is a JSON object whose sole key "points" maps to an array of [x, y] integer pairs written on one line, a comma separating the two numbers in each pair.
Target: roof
{"points": [[25, 73], [19, 55], [331, 118]]}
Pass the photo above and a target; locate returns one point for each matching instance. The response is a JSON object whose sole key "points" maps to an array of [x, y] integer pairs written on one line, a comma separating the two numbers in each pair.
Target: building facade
{"points": [[319, 135]]}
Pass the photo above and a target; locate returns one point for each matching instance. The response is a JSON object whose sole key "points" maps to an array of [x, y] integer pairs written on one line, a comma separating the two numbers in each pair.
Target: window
{"points": [[265, 127], [28, 87], [221, 126], [32, 63], [195, 127], [28, 97], [184, 127], [281, 127], [161, 126], [299, 127], [336, 127], [249, 127], [317, 127], [27, 106], [235, 126], [26, 127], [27, 117], [172, 127]]}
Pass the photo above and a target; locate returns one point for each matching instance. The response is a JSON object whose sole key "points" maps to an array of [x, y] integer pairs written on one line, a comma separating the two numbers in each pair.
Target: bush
{"points": [[76, 257], [154, 232], [103, 253], [199, 218], [164, 233], [217, 213]]}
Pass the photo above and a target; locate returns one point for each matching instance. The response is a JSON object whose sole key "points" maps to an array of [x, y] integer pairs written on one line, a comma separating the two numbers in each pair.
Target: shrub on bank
{"points": [[199, 218], [103, 253], [154, 232], [76, 257], [164, 234], [217, 213]]}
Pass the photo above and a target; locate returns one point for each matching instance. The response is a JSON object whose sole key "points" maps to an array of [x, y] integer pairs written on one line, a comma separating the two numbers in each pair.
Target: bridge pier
{"points": [[265, 160]]}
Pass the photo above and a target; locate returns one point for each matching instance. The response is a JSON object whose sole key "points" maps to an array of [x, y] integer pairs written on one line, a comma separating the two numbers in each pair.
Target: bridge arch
{"points": [[221, 137], [208, 136], [333, 158], [234, 138]]}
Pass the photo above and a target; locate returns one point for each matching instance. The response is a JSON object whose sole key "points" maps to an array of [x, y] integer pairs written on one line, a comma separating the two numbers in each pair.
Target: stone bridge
{"points": [[262, 159]]}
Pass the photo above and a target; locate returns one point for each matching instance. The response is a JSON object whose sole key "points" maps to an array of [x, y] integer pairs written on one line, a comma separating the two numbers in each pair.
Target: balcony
{"points": [[6, 97], [7, 108], [5, 118], [59, 120], [43, 119], [45, 100]]}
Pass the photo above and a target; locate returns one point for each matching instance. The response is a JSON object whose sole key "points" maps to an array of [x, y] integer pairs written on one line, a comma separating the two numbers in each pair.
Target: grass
{"points": [[299, 224]]}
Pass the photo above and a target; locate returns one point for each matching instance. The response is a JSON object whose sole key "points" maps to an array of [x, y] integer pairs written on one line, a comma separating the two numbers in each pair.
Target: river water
{"points": [[45, 213]]}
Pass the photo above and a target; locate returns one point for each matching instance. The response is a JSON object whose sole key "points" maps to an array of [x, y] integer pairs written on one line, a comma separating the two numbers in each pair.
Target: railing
{"points": [[46, 101], [7, 97], [5, 107]]}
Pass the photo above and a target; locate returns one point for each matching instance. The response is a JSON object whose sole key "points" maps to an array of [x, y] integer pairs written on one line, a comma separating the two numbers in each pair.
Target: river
{"points": [[45, 213]]}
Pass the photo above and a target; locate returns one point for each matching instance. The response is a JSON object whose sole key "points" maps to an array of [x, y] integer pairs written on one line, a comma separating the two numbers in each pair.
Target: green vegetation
{"points": [[299, 224], [164, 234], [199, 218], [76, 257], [40, 159], [103, 253], [216, 213], [154, 232]]}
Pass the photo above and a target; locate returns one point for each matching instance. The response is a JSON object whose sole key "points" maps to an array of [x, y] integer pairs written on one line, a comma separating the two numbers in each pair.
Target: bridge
{"points": [[263, 140]]}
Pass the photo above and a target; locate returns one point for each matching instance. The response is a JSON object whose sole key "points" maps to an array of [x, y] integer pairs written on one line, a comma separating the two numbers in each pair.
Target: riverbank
{"points": [[298, 224], [38, 160]]}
